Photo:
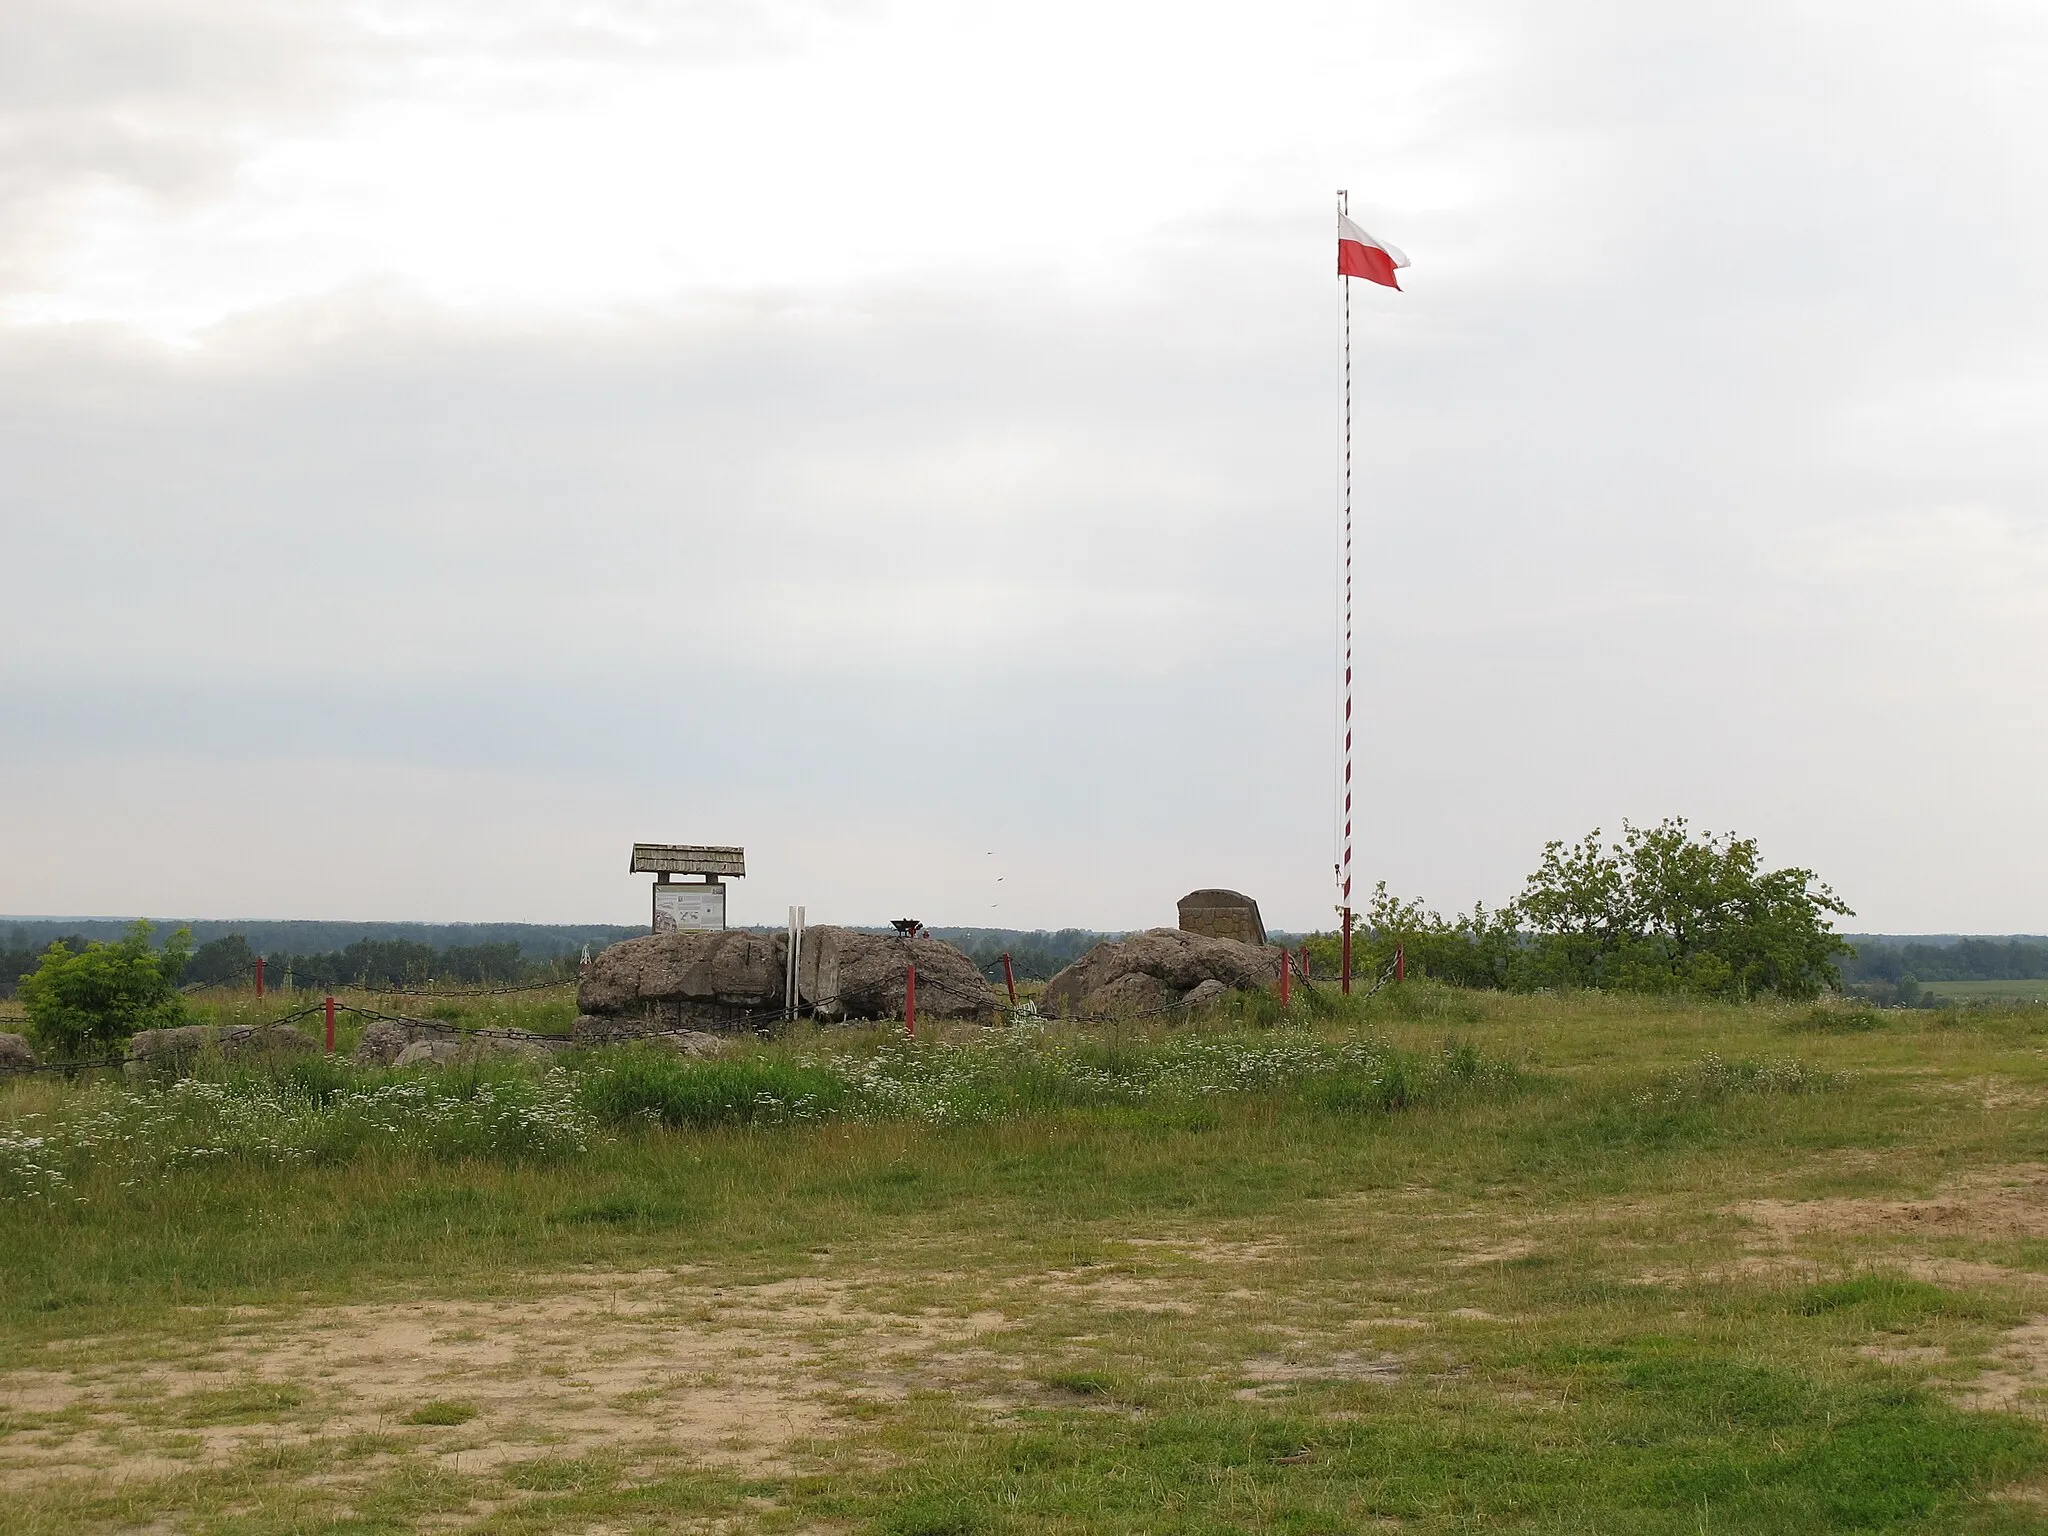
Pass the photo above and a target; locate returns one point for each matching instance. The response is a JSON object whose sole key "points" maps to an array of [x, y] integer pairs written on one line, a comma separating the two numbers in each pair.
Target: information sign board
{"points": [[689, 908]]}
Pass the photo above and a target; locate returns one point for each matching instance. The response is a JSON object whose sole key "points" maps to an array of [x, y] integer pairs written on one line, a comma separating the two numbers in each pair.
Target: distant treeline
{"points": [[292, 936], [381, 959], [1035, 955], [18, 955], [1989, 959], [323, 954], [230, 960]]}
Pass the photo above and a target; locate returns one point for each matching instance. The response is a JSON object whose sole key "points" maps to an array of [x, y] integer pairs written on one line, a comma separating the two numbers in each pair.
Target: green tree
{"points": [[1576, 903], [1473, 949], [221, 962], [1664, 910], [87, 1001]]}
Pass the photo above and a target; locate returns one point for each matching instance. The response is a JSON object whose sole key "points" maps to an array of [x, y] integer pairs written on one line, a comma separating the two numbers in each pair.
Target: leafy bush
{"points": [[1662, 910], [89, 1001]]}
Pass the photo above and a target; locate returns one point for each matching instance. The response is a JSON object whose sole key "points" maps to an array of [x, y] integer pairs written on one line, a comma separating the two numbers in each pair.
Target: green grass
{"points": [[443, 1413], [2034, 991], [1445, 1263]]}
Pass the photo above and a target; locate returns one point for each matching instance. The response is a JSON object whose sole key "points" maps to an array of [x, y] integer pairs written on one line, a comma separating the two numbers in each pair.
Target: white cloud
{"points": [[889, 431]]}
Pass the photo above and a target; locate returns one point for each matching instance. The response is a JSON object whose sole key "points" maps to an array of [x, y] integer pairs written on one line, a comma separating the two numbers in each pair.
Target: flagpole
{"points": [[1344, 864]]}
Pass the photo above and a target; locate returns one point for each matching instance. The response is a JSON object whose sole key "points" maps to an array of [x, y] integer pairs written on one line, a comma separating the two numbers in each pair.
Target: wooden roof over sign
{"points": [[687, 859]]}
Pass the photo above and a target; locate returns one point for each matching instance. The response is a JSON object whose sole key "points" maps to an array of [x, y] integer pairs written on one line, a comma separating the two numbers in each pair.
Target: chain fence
{"points": [[757, 1021]]}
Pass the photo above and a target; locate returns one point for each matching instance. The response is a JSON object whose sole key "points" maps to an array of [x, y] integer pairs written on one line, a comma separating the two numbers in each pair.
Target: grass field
{"points": [[1448, 1262], [2035, 991]]}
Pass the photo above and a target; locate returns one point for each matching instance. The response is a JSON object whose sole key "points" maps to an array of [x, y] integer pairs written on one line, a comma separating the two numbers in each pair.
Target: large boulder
{"points": [[430, 1042], [671, 982], [153, 1051], [1156, 970], [844, 974], [15, 1055], [596, 1029], [684, 981]]}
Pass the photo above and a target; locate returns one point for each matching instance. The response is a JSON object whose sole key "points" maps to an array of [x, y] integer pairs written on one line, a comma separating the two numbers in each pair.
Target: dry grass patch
{"points": [[643, 1363], [1996, 1203]]}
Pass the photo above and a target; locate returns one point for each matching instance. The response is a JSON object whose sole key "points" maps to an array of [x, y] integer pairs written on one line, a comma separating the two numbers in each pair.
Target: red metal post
{"points": [[1285, 967], [259, 978], [1345, 962], [1010, 980], [1400, 963], [330, 1023], [1304, 962], [910, 1000]]}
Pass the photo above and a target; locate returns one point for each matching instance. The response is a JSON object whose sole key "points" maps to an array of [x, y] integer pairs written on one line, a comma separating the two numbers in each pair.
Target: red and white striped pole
{"points": [[1344, 858], [910, 1001]]}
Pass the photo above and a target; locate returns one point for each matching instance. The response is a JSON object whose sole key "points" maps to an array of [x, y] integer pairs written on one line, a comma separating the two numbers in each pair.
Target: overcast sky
{"points": [[442, 442]]}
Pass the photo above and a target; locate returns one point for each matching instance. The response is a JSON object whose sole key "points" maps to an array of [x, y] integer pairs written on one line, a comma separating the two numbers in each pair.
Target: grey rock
{"points": [[730, 981], [844, 975], [266, 1040], [609, 1029], [382, 1043], [1203, 993], [154, 1052], [589, 1029], [15, 1055], [157, 1049], [685, 980], [1177, 961], [1132, 993], [1219, 914], [426, 1042]]}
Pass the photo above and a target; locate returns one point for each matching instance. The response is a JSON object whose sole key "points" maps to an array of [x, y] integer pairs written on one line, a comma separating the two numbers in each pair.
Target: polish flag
{"points": [[1359, 255]]}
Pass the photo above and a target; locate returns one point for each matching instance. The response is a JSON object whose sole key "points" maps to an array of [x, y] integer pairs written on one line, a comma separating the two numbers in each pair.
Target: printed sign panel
{"points": [[689, 909]]}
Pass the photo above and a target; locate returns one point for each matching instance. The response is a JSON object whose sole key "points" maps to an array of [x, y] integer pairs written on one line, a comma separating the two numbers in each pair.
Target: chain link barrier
{"points": [[752, 1022]]}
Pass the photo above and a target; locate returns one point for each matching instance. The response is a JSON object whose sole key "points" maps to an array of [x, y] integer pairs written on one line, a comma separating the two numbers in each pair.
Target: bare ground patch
{"points": [[1998, 1203], [2018, 1383], [1274, 1375], [631, 1364]]}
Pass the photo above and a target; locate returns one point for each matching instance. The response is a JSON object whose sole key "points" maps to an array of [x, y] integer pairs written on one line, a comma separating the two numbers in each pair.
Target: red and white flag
{"points": [[1359, 255]]}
